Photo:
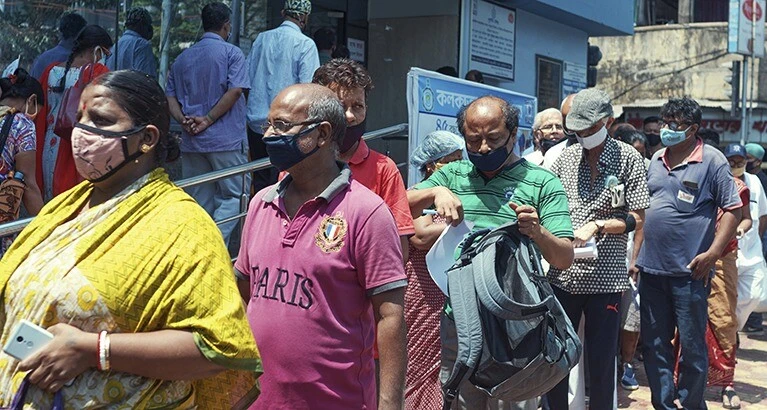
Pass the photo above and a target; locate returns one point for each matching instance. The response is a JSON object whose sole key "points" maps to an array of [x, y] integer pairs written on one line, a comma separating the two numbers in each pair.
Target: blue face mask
{"points": [[670, 138], [283, 149], [492, 160]]}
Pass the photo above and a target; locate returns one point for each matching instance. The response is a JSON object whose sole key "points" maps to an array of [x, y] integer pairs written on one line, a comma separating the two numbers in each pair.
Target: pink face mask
{"points": [[98, 153]]}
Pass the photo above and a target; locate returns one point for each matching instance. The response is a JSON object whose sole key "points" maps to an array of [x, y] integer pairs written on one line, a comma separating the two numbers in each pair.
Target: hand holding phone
{"points": [[26, 339]]}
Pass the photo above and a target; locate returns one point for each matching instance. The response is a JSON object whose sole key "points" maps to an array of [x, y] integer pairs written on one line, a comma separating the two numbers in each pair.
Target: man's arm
{"points": [[745, 220], [612, 226], [178, 115], [403, 243], [762, 225], [426, 232], [702, 264], [392, 347], [222, 107], [447, 203]]}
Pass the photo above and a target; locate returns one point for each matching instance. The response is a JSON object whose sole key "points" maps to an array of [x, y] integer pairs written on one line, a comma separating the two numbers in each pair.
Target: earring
{"points": [[145, 148]]}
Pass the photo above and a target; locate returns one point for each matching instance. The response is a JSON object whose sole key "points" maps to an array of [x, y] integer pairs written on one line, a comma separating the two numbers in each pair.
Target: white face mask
{"points": [[593, 140]]}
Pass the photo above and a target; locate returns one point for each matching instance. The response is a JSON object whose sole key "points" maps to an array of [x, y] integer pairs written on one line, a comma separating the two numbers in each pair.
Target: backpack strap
{"points": [[463, 300]]}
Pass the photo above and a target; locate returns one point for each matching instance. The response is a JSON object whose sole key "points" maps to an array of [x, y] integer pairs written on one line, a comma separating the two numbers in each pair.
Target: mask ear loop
{"points": [[26, 109]]}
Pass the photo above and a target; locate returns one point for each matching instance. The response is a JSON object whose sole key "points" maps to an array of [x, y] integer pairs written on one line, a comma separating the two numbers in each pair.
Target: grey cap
{"points": [[589, 106]]}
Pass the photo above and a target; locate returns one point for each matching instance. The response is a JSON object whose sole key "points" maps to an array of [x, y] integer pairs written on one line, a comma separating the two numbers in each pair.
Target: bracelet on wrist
{"points": [[210, 117], [103, 347]]}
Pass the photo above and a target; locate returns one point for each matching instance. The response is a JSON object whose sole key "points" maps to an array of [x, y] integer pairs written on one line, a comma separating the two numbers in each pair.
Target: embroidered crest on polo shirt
{"points": [[331, 234], [508, 193]]}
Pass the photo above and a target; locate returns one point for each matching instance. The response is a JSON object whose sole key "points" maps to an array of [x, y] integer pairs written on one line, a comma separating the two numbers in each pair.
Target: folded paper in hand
{"points": [[587, 251], [441, 256]]}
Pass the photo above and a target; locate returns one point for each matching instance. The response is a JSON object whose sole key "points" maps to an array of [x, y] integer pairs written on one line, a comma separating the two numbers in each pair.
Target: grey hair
{"points": [[541, 115], [328, 108]]}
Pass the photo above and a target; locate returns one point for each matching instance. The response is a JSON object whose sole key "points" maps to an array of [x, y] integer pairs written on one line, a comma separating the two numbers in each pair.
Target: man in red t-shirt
{"points": [[377, 172]]}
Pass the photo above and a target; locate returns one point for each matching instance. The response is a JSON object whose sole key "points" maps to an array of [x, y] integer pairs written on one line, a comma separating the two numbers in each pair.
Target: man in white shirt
{"points": [[548, 131], [751, 264]]}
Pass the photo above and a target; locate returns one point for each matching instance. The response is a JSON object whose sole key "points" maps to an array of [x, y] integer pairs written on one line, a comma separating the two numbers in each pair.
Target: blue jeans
{"points": [[220, 199], [670, 303]]}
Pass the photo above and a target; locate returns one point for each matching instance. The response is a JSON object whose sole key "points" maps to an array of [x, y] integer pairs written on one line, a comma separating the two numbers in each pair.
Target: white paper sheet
{"points": [[441, 256]]}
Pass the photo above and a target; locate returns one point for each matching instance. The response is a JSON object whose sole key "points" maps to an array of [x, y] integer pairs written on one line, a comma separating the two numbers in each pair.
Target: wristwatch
{"points": [[600, 226]]}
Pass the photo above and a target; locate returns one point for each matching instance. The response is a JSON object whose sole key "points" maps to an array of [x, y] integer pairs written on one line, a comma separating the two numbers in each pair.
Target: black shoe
{"points": [[750, 330]]}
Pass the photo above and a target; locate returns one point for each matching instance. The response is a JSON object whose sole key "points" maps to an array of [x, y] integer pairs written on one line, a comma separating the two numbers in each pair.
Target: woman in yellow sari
{"points": [[128, 273]]}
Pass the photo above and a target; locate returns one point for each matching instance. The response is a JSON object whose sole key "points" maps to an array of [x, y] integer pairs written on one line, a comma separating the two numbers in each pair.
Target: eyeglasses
{"points": [[283, 127], [552, 127], [673, 126], [737, 164]]}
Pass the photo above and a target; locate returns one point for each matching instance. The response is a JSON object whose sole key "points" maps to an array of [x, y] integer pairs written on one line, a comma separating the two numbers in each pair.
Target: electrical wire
{"points": [[720, 55]]}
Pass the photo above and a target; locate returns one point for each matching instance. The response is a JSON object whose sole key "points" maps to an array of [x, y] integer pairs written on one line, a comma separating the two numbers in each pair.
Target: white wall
{"points": [[536, 35]]}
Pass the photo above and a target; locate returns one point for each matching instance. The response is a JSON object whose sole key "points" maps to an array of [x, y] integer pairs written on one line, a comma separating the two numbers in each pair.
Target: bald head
{"points": [[309, 103], [567, 103], [489, 109]]}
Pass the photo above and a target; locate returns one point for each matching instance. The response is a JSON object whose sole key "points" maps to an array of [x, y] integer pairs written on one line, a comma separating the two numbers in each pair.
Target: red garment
{"points": [[64, 171], [721, 368], [745, 198], [423, 305]]}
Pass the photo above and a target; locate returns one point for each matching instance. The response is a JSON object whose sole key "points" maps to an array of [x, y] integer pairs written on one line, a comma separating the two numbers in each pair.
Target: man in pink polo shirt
{"points": [[321, 269]]}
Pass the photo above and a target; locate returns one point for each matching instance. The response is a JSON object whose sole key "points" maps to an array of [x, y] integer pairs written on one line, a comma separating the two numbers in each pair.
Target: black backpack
{"points": [[515, 341]]}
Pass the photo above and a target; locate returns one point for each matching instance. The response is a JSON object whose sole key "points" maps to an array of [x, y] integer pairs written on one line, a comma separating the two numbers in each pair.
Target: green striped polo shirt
{"points": [[486, 201]]}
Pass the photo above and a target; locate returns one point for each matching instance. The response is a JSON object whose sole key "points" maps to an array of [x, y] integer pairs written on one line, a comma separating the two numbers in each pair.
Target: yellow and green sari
{"points": [[148, 259]]}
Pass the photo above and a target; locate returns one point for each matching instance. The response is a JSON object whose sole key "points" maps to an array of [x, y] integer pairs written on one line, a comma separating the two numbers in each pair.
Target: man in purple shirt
{"points": [[205, 94], [69, 27], [688, 181]]}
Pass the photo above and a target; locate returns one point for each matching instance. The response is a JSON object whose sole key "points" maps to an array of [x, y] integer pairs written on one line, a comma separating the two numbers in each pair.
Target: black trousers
{"points": [[264, 178], [603, 319]]}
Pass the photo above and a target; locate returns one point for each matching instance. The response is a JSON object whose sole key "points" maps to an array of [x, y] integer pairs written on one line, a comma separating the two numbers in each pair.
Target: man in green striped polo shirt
{"points": [[492, 188]]}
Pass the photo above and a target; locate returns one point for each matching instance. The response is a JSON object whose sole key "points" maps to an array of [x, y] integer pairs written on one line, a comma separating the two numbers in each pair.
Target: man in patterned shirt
{"points": [[606, 185]]}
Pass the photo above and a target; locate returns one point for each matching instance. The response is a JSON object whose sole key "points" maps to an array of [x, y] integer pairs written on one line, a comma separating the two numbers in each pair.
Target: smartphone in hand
{"points": [[26, 339]]}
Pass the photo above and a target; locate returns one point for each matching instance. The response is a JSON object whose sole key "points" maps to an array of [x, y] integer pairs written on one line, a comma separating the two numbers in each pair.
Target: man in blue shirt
{"points": [[688, 182], [279, 58], [205, 94], [134, 49], [69, 27]]}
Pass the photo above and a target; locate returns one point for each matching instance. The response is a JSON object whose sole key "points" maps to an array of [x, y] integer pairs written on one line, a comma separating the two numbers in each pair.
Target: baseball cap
{"points": [[298, 6], [734, 150], [589, 106], [755, 150]]}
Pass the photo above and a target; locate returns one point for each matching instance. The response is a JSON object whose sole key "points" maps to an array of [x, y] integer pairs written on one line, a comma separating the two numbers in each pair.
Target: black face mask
{"points": [[352, 136], [751, 167], [547, 144], [652, 139]]}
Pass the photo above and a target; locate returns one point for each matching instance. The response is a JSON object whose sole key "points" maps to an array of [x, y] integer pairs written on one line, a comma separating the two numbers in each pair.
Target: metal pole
{"points": [[744, 102], [750, 106], [117, 34], [236, 16], [167, 10]]}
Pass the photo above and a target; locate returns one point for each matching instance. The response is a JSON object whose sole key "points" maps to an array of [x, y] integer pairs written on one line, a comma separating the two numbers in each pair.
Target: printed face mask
{"points": [[283, 149], [492, 160], [98, 153], [670, 138]]}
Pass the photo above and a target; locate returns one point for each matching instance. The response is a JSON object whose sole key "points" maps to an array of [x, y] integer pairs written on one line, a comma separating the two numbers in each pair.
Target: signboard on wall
{"points": [[433, 101], [573, 78], [548, 82], [491, 40], [356, 49], [740, 28]]}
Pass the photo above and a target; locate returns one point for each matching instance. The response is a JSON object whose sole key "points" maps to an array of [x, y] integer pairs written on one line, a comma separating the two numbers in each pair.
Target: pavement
{"points": [[750, 379]]}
